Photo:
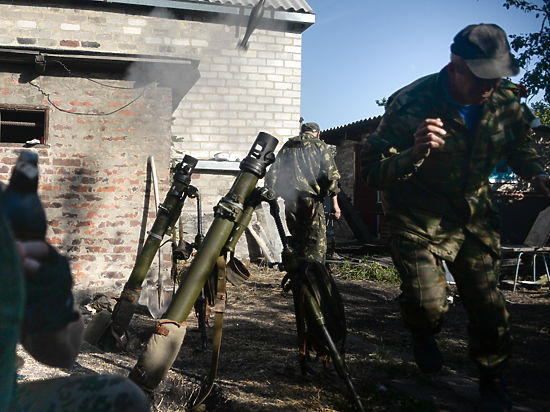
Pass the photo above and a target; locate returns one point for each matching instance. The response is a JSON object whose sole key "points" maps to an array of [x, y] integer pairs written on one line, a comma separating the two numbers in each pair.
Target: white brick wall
{"points": [[239, 93], [234, 85]]}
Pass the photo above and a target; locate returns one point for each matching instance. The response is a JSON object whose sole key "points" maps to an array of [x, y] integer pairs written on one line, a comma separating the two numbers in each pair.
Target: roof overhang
{"points": [[177, 73], [45, 58]]}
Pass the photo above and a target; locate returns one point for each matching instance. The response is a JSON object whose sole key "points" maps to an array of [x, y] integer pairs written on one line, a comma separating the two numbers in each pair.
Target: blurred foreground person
{"points": [[431, 156], [303, 174], [37, 308]]}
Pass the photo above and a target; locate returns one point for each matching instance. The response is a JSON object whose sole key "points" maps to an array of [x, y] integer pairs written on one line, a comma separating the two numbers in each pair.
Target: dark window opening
{"points": [[23, 125]]}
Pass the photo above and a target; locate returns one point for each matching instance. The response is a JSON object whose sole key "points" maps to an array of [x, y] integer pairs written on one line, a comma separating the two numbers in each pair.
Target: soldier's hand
{"points": [[32, 253], [337, 212], [541, 184], [428, 136]]}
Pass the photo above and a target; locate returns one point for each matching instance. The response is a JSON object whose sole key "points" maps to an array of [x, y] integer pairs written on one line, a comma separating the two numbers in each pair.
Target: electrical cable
{"points": [[90, 79], [47, 95]]}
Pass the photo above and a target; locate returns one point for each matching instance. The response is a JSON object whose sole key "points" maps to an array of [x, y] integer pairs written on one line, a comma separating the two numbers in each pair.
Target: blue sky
{"points": [[359, 51]]}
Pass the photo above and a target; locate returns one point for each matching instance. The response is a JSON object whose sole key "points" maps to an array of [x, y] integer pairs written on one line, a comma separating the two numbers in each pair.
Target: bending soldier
{"points": [[431, 156]]}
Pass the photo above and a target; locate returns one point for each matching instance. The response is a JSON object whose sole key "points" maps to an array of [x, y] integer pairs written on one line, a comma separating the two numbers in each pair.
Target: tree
{"points": [[533, 49], [542, 111], [382, 102]]}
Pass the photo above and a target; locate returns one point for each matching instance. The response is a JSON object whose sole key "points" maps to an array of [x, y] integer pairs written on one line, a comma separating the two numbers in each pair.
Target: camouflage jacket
{"points": [[438, 199], [12, 300], [303, 167]]}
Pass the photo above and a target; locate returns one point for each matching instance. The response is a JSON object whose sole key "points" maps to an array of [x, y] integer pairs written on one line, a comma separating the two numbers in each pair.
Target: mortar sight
{"points": [[184, 169], [260, 155]]}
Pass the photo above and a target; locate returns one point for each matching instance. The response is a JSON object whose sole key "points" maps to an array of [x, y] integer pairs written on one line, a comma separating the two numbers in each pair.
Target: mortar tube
{"points": [[162, 348], [212, 245], [168, 214]]}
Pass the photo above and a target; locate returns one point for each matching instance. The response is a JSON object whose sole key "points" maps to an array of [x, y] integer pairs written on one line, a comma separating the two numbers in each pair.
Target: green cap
{"points": [[485, 50], [310, 127]]}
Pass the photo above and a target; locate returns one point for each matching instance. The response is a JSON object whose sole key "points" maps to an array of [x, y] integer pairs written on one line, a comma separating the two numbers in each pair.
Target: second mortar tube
{"points": [[166, 340]]}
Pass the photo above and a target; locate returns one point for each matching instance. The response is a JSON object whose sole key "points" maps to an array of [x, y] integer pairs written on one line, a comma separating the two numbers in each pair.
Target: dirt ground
{"points": [[258, 369]]}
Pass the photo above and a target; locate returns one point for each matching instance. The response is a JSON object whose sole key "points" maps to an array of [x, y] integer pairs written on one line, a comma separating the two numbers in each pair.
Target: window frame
{"points": [[25, 109]]}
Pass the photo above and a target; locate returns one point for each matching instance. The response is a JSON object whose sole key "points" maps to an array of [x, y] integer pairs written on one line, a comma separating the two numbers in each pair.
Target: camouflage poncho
{"points": [[304, 166], [303, 174], [435, 201]]}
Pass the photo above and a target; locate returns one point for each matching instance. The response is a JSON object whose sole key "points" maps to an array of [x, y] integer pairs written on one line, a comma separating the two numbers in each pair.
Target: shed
{"points": [[95, 87], [349, 140]]}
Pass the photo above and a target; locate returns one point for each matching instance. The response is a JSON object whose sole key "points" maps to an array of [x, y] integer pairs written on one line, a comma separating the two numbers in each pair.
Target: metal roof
{"points": [[295, 12], [286, 5], [352, 131]]}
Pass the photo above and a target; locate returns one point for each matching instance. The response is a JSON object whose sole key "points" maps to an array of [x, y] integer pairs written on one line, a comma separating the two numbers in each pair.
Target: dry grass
{"points": [[258, 368]]}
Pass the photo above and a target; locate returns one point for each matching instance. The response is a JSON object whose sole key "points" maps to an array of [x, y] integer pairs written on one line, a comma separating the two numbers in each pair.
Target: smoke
{"points": [[177, 73], [181, 73]]}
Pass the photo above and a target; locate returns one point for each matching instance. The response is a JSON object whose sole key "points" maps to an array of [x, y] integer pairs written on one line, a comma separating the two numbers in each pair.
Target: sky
{"points": [[360, 51]]}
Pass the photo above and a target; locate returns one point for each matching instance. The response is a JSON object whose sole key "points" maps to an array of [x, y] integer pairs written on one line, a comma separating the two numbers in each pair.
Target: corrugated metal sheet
{"points": [[286, 5], [351, 131]]}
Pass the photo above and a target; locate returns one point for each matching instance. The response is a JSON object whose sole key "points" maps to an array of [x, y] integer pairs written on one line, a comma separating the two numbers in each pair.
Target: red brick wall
{"points": [[94, 169]]}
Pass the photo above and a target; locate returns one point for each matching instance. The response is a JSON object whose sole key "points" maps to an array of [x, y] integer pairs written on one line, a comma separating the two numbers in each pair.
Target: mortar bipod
{"points": [[183, 250], [201, 302], [251, 203], [303, 273]]}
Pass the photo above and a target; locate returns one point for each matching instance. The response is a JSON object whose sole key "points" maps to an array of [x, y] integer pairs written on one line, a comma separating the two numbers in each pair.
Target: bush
{"points": [[367, 269]]}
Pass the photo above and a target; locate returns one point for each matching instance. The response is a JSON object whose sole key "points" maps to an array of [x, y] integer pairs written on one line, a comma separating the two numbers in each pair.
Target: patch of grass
{"points": [[367, 269]]}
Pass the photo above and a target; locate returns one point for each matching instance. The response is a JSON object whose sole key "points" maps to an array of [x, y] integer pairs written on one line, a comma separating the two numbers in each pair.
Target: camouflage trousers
{"points": [[423, 299], [95, 393], [305, 219]]}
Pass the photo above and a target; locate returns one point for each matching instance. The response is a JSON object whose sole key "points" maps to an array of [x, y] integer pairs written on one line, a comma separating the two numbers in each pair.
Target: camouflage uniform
{"points": [[11, 310], [303, 174], [96, 393], [441, 208]]}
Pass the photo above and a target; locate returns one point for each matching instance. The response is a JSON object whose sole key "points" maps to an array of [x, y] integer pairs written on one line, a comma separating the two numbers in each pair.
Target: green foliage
{"points": [[542, 111], [382, 102], [368, 269], [533, 49]]}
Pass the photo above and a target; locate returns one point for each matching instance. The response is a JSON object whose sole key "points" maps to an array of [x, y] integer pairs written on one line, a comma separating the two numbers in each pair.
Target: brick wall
{"points": [[238, 94], [93, 172], [93, 167]]}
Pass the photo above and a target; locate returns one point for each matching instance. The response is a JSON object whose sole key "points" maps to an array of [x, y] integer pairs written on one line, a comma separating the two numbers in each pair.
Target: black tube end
{"points": [[261, 155]]}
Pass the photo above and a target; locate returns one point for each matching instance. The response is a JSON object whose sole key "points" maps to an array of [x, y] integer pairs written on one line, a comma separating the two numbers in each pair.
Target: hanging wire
{"points": [[88, 78], [47, 95]]}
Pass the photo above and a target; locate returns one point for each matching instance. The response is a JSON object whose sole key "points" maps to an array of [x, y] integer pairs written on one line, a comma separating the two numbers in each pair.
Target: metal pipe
{"points": [[20, 124]]}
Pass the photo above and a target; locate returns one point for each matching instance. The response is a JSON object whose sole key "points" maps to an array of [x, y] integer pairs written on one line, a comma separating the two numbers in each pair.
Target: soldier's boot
{"points": [[494, 396], [426, 353]]}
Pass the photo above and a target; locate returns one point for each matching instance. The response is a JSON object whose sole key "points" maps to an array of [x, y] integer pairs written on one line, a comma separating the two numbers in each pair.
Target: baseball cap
{"points": [[485, 50], [310, 127]]}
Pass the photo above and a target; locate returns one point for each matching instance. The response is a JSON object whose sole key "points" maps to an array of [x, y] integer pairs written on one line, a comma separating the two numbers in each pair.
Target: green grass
{"points": [[367, 269]]}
